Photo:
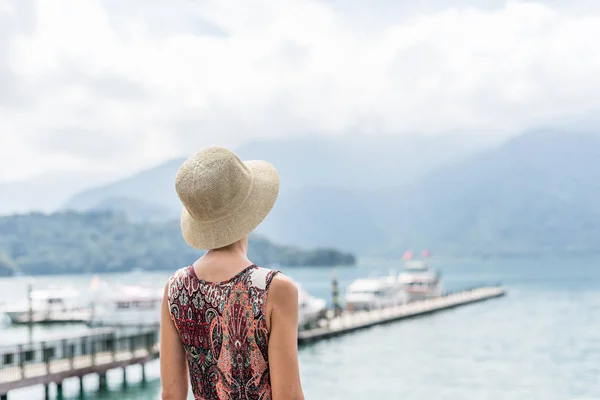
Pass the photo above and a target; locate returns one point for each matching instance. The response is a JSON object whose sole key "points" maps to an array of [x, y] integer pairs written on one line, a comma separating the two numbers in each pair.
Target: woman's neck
{"points": [[239, 248], [225, 260]]}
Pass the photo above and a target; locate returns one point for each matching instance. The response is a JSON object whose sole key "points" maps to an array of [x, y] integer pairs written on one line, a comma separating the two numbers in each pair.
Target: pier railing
{"points": [[28, 360], [470, 288], [350, 321], [97, 351]]}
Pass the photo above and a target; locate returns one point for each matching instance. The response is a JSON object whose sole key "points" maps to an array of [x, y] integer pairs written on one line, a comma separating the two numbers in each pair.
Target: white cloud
{"points": [[113, 86]]}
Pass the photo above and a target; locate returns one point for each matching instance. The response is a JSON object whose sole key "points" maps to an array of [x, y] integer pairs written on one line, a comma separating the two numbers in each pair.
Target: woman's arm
{"points": [[173, 365], [282, 301]]}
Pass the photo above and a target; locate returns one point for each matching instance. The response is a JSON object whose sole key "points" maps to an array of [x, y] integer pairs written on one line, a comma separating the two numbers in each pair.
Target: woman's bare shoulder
{"points": [[283, 291]]}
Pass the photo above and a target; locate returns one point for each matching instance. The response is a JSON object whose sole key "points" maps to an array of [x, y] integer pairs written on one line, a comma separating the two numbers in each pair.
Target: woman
{"points": [[232, 325]]}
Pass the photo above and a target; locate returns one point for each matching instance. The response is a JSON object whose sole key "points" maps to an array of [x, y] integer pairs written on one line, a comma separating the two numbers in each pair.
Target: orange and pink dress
{"points": [[223, 329]]}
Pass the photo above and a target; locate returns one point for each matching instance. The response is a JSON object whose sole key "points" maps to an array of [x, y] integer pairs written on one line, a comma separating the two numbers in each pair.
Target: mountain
{"points": [[155, 186], [325, 216], [7, 266], [538, 193], [324, 180], [135, 209], [90, 242], [360, 161], [324, 161], [43, 193]]}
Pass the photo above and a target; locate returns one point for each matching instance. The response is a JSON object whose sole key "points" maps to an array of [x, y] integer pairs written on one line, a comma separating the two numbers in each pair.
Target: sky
{"points": [[95, 89]]}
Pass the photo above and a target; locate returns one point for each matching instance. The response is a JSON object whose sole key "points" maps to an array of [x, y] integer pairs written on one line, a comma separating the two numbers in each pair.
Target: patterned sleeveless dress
{"points": [[223, 328]]}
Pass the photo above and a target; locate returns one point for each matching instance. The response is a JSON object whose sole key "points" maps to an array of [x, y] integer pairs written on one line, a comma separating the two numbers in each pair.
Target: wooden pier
{"points": [[52, 361], [353, 321]]}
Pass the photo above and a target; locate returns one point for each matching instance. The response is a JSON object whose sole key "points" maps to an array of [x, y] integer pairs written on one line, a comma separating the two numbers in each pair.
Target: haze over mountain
{"points": [[46, 192], [535, 193], [341, 162]]}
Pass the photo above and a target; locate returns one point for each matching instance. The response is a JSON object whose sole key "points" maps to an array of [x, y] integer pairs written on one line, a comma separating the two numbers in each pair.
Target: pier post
{"points": [[29, 304], [337, 309], [112, 345], [132, 346], [71, 349], [59, 390], [93, 349], [4, 396], [102, 385], [21, 361], [81, 388], [124, 376], [45, 357], [143, 373], [47, 392]]}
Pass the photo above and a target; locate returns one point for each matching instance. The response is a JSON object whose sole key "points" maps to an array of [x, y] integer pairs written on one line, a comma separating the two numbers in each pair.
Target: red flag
{"points": [[407, 255], [426, 254]]}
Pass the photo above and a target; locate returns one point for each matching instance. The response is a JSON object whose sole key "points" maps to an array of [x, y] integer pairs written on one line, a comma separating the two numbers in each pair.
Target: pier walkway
{"points": [[353, 321], [99, 350], [52, 361]]}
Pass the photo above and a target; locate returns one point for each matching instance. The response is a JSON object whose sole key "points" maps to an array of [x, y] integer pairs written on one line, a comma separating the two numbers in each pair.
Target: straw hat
{"points": [[224, 199]]}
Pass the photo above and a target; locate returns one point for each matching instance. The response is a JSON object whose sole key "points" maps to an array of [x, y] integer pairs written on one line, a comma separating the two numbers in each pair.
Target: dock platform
{"points": [[52, 361], [352, 321]]}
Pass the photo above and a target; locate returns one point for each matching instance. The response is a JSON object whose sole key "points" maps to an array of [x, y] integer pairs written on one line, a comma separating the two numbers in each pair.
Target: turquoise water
{"points": [[542, 341]]}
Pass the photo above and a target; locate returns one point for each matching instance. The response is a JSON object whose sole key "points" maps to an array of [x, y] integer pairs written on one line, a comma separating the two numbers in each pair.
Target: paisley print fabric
{"points": [[223, 328]]}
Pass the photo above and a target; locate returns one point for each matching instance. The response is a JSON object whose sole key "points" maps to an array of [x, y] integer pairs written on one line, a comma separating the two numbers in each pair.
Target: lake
{"points": [[542, 341]]}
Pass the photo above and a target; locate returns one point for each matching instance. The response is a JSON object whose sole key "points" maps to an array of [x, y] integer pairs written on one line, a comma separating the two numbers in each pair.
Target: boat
{"points": [[419, 280], [374, 293], [50, 305], [310, 309], [132, 305]]}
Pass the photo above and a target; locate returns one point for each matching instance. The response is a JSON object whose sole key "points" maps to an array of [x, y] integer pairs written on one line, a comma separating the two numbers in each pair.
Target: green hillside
{"points": [[73, 242]]}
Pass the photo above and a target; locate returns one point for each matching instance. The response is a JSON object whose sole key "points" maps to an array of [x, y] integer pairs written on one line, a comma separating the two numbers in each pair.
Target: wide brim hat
{"points": [[223, 204]]}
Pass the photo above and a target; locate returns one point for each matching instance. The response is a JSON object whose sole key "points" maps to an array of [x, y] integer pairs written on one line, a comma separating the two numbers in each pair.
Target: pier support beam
{"points": [[81, 388], [4, 396], [124, 376], [59, 390], [47, 392], [143, 373], [102, 384]]}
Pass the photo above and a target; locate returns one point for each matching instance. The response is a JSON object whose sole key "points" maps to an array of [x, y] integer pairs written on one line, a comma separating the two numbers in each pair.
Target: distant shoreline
{"points": [[366, 262], [93, 242], [166, 270]]}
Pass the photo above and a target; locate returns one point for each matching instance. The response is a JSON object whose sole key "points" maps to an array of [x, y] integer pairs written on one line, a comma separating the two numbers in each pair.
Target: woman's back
{"points": [[222, 331], [223, 328]]}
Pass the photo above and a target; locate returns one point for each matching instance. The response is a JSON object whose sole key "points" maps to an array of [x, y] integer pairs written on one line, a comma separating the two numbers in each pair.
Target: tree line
{"points": [[103, 241]]}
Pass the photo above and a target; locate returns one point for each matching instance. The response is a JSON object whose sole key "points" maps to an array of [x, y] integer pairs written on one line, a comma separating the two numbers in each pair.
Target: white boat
{"points": [[138, 305], [50, 305], [310, 309], [374, 293], [419, 281], [127, 306]]}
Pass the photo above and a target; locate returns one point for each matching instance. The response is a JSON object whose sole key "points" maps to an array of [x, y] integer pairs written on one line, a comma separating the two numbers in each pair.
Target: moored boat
{"points": [[310, 309], [50, 305], [132, 305], [374, 293], [419, 280]]}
